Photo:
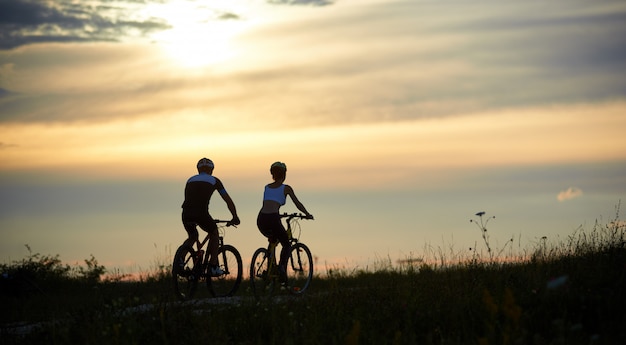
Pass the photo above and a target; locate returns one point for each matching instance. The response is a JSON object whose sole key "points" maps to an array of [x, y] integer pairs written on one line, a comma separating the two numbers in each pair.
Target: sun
{"points": [[199, 36], [192, 45]]}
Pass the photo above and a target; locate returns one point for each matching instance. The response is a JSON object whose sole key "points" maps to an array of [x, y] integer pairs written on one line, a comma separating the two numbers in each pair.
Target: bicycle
{"points": [[192, 266], [264, 272]]}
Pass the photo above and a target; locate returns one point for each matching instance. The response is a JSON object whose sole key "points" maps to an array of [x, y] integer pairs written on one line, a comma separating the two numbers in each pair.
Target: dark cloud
{"points": [[301, 2], [229, 16], [25, 22], [6, 145]]}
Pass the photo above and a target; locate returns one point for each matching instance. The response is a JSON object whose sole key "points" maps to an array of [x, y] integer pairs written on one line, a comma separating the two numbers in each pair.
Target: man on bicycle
{"points": [[198, 191]]}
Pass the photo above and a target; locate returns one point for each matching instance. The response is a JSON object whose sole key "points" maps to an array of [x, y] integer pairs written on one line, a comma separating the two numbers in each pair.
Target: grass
{"points": [[570, 292]]}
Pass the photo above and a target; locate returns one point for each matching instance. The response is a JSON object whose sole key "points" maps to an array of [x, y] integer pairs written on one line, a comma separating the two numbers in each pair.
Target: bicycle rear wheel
{"points": [[299, 268], [183, 274], [229, 260], [261, 281]]}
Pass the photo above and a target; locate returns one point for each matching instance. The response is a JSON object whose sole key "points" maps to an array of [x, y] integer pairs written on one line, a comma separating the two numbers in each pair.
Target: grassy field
{"points": [[565, 293]]}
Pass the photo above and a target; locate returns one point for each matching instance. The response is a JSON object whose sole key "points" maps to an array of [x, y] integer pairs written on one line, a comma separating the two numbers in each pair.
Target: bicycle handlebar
{"points": [[295, 215], [283, 215], [228, 223]]}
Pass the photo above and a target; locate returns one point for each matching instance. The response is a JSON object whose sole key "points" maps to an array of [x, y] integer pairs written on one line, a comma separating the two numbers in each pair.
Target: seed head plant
{"points": [[481, 223]]}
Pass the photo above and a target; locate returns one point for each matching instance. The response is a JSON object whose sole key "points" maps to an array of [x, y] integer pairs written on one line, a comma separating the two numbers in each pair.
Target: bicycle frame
{"points": [[200, 245], [271, 247], [264, 273], [191, 265]]}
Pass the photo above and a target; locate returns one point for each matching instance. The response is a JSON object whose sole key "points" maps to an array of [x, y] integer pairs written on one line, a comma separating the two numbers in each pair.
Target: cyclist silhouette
{"points": [[268, 220], [198, 191]]}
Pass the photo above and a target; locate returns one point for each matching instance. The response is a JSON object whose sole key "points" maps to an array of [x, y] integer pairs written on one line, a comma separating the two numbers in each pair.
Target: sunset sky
{"points": [[398, 121]]}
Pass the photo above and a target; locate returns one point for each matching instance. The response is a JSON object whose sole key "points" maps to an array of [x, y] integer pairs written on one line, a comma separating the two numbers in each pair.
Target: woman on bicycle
{"points": [[268, 220]]}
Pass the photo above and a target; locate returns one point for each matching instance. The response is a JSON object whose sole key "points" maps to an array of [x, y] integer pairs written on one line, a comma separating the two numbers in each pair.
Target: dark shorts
{"points": [[204, 221], [270, 226]]}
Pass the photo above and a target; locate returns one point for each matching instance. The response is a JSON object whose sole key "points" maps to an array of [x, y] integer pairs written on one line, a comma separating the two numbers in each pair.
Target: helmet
{"points": [[205, 163], [280, 165]]}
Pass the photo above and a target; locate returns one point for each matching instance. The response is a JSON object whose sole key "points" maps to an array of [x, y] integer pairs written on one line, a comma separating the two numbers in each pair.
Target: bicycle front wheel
{"points": [[299, 268], [261, 281], [184, 276], [229, 260]]}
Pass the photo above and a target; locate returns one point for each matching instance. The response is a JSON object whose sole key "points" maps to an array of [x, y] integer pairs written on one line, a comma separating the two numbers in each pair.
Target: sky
{"points": [[398, 120]]}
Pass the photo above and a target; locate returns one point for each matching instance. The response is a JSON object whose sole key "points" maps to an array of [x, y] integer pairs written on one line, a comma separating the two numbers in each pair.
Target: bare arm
{"points": [[231, 207], [289, 191]]}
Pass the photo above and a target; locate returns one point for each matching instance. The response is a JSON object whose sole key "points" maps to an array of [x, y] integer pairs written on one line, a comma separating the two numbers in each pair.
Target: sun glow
{"points": [[199, 36]]}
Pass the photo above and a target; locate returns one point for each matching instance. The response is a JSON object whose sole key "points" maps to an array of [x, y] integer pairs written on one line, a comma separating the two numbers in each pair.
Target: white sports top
{"points": [[275, 194]]}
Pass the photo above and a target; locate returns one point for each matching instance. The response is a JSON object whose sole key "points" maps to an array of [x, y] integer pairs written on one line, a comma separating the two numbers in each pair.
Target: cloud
{"points": [[25, 22], [228, 16], [355, 64], [6, 145], [570, 193]]}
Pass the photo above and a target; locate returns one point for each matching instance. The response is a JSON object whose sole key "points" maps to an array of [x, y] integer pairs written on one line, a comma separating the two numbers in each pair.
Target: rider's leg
{"points": [[208, 225], [213, 246], [192, 235], [271, 227], [285, 250]]}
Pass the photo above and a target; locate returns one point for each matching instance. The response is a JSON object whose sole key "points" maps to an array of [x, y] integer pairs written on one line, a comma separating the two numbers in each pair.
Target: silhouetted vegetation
{"points": [[570, 292]]}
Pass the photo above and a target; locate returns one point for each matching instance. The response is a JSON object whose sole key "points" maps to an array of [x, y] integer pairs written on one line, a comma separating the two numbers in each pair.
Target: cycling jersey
{"points": [[275, 194], [198, 191]]}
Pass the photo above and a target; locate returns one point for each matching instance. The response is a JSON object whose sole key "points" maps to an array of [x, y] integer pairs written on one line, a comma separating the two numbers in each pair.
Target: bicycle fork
{"points": [[296, 262]]}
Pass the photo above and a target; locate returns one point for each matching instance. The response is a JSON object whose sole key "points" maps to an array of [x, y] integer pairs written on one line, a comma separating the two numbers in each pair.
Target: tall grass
{"points": [[568, 292]]}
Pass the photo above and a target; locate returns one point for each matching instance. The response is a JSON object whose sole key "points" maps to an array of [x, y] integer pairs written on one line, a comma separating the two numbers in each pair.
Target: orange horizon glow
{"points": [[126, 149]]}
